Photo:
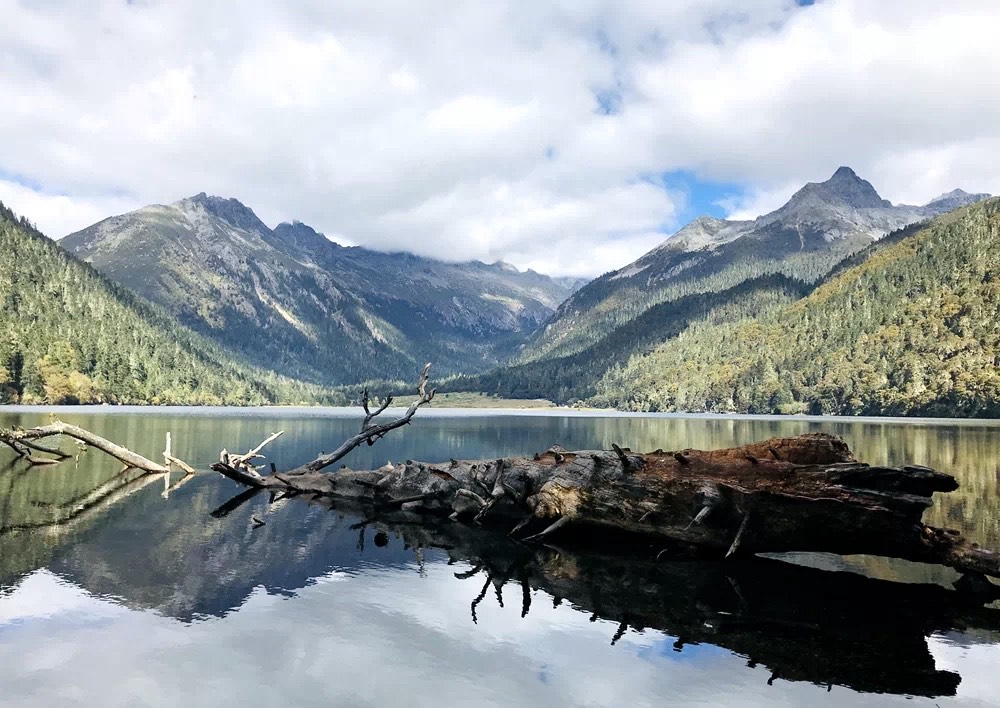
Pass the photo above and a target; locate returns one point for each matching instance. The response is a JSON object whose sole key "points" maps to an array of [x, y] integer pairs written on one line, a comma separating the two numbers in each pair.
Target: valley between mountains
{"points": [[838, 302]]}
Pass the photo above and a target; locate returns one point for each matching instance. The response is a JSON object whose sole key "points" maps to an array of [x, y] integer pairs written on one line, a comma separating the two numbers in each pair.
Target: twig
{"points": [[739, 534]]}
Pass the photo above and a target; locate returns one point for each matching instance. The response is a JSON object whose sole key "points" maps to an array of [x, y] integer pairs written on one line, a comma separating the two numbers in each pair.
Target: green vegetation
{"points": [[612, 301], [568, 379], [821, 225], [909, 327], [478, 400], [70, 336]]}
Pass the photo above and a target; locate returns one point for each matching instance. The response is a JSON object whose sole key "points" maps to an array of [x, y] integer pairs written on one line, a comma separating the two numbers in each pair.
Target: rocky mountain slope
{"points": [[906, 327], [69, 335], [819, 226], [291, 300]]}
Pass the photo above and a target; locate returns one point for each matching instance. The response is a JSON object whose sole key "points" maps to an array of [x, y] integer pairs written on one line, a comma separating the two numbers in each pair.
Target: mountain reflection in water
{"points": [[124, 597]]}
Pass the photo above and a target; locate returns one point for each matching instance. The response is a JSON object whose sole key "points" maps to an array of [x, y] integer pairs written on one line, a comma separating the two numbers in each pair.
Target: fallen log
{"points": [[803, 493], [24, 441], [20, 440]]}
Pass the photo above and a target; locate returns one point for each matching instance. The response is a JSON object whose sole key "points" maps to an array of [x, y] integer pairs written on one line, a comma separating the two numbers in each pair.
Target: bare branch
{"points": [[188, 469], [244, 462], [169, 459], [369, 416], [739, 534], [371, 433], [22, 446]]}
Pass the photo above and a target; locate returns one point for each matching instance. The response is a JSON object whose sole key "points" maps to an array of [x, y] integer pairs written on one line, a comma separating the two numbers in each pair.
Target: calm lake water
{"points": [[126, 591]]}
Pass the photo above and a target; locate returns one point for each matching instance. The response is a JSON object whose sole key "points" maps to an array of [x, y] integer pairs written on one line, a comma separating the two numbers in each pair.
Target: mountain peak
{"points": [[844, 172], [844, 188], [231, 210], [954, 199], [703, 232], [303, 235], [851, 189], [505, 266]]}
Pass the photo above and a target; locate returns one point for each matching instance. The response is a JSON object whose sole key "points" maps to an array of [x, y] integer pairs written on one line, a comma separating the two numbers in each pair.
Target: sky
{"points": [[567, 136]]}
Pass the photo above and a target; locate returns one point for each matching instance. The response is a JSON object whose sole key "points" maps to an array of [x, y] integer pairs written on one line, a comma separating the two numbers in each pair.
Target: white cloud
{"points": [[61, 214], [754, 201], [473, 130]]}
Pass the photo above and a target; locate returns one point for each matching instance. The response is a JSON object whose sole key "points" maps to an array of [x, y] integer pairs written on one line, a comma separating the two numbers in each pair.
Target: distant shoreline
{"points": [[459, 411]]}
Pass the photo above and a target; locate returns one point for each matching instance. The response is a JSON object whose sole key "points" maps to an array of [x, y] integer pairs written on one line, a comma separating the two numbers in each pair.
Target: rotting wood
{"points": [[807, 493]]}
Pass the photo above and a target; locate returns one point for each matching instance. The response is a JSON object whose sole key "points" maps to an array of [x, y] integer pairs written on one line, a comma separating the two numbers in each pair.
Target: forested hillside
{"points": [[573, 377], [909, 327], [817, 228], [67, 335]]}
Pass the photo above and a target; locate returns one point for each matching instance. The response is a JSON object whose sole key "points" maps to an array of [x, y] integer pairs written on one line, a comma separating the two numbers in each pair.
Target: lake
{"points": [[123, 590]]}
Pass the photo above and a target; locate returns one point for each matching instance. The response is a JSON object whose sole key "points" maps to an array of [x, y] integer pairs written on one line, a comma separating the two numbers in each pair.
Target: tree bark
{"points": [[804, 493]]}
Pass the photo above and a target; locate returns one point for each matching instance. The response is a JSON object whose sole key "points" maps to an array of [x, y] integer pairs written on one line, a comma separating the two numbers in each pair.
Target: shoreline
{"points": [[451, 412]]}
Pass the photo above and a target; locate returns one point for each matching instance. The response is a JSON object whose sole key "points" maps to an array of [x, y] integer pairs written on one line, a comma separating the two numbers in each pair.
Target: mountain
{"points": [[573, 377], [68, 335], [906, 327], [954, 199], [293, 301], [818, 227]]}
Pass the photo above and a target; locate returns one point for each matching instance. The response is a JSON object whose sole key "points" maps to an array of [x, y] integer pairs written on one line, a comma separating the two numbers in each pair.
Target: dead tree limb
{"points": [[169, 459], [24, 441], [371, 432], [245, 461], [27, 439], [369, 416]]}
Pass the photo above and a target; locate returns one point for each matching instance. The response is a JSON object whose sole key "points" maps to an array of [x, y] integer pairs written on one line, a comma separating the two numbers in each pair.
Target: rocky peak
{"points": [[954, 199], [844, 187], [232, 211], [505, 266], [705, 231]]}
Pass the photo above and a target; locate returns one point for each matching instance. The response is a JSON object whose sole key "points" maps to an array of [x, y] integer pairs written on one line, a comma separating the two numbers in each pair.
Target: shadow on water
{"points": [[117, 537]]}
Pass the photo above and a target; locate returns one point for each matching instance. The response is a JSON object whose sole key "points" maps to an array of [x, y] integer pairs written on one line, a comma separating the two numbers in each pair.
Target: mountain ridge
{"points": [[70, 335], [907, 327], [291, 300], [820, 225]]}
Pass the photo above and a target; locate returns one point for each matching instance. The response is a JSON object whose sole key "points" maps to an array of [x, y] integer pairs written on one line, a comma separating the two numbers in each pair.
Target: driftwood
{"points": [[24, 441], [804, 493]]}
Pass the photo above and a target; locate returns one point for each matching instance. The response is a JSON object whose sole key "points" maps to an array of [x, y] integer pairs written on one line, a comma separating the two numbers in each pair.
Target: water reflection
{"points": [[153, 601]]}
